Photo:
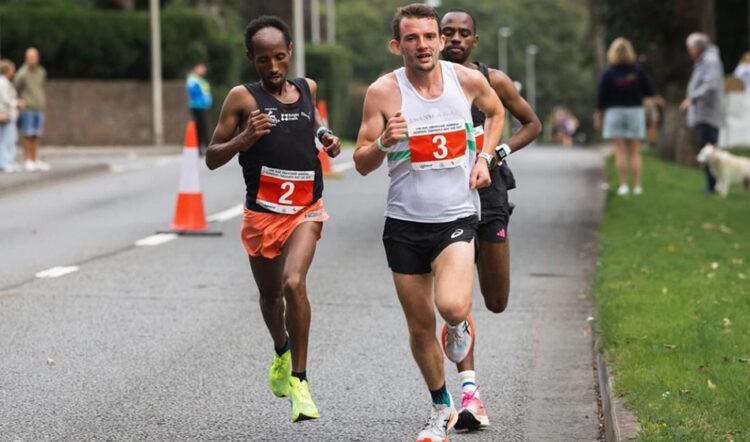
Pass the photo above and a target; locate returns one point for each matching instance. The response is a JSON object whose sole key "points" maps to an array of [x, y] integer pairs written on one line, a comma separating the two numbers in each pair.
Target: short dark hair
{"points": [[414, 10], [266, 21], [464, 11]]}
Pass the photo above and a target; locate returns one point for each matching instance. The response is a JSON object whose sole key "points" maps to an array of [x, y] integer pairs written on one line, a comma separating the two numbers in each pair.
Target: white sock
{"points": [[469, 382]]}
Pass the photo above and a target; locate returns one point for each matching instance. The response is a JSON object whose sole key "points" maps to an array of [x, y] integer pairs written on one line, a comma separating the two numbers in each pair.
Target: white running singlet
{"points": [[430, 170]]}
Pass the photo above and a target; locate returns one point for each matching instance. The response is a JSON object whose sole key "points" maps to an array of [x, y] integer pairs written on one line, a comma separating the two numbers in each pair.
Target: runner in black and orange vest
{"points": [[271, 124]]}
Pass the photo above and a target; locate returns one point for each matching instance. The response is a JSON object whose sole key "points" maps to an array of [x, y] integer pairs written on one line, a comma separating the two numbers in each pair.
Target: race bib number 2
{"points": [[285, 191], [437, 146]]}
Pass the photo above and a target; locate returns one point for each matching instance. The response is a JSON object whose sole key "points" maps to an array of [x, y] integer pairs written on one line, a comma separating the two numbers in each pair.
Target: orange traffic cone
{"points": [[325, 161], [189, 216]]}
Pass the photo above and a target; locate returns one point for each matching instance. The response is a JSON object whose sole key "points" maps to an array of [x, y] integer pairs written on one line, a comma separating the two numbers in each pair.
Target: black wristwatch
{"points": [[502, 151]]}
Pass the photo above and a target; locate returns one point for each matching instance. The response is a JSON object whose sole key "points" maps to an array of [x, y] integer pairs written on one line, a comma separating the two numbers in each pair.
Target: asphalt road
{"points": [[167, 342]]}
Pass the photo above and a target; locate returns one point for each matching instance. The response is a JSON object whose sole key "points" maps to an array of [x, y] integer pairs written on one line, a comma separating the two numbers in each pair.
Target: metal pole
{"points": [[299, 38], [315, 20], [330, 22], [156, 86], [531, 51], [502, 47]]}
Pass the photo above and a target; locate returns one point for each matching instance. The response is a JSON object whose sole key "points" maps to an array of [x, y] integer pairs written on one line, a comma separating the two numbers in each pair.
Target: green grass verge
{"points": [[673, 296]]}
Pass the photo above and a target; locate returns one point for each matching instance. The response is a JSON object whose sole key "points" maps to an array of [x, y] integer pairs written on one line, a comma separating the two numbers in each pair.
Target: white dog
{"points": [[727, 168]]}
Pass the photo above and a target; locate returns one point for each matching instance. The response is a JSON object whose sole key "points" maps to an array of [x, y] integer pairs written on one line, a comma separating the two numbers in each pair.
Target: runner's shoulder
{"points": [[499, 77], [384, 86], [240, 97], [468, 75]]}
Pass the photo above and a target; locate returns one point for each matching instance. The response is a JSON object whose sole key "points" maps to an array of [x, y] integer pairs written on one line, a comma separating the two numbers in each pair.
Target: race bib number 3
{"points": [[285, 191], [437, 146]]}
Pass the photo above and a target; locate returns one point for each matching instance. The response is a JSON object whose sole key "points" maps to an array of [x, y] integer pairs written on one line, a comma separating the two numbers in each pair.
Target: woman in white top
{"points": [[8, 117]]}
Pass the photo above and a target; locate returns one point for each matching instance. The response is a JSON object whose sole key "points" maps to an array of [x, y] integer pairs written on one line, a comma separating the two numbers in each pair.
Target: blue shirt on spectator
{"points": [[199, 92]]}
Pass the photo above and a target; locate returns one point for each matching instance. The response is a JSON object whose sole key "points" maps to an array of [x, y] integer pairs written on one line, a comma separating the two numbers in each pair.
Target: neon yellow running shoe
{"points": [[279, 374], [303, 407]]}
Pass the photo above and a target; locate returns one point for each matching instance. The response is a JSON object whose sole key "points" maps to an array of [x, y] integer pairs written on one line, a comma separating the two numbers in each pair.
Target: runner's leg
{"points": [[415, 295], [298, 255], [454, 279], [494, 281], [267, 275]]}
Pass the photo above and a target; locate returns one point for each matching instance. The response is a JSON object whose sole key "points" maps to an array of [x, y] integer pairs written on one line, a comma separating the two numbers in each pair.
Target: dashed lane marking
{"points": [[155, 240], [56, 272], [226, 215]]}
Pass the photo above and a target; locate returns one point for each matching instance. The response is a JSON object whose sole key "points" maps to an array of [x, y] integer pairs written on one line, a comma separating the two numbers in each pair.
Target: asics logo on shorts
{"points": [[457, 233]]}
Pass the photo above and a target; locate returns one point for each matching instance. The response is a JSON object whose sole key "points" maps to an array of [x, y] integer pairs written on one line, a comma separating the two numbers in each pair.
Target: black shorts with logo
{"points": [[496, 209], [411, 246]]}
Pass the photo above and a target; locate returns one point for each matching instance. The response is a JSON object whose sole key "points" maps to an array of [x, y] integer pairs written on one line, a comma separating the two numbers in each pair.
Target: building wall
{"points": [[111, 113]]}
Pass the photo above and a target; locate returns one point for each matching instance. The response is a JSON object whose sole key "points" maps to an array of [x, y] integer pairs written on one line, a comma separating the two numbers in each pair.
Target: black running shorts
{"points": [[496, 209], [411, 247]]}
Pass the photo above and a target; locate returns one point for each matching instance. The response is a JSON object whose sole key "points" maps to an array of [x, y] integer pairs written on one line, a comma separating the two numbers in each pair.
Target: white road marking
{"points": [[155, 240], [340, 167], [56, 272], [226, 215]]}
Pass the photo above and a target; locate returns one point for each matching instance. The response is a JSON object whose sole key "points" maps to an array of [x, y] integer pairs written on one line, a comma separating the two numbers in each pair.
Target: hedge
{"points": [[103, 44]]}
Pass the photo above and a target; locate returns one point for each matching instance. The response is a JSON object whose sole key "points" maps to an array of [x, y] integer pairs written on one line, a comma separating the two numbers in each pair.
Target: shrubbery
{"points": [[103, 44]]}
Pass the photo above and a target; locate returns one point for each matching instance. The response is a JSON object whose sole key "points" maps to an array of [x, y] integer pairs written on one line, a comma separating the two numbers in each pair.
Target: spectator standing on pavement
{"points": [[742, 71], [272, 125], [8, 117], [620, 114], [703, 103], [199, 101], [29, 83]]}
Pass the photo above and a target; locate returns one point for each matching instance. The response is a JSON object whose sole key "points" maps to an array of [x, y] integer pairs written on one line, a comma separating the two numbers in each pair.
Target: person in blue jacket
{"points": [[199, 101]]}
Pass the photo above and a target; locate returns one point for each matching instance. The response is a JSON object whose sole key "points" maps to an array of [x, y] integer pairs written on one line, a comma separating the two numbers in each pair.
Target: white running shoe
{"points": [[41, 165], [637, 190], [441, 422], [29, 166], [457, 341], [623, 190]]}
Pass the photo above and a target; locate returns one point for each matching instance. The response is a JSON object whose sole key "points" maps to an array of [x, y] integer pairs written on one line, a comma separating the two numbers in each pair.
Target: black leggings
{"points": [[199, 116], [704, 133]]}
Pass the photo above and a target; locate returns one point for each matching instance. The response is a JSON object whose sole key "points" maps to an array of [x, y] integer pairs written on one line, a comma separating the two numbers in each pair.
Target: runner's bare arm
{"points": [[488, 102], [531, 127], [331, 143], [380, 120], [478, 89], [224, 143]]}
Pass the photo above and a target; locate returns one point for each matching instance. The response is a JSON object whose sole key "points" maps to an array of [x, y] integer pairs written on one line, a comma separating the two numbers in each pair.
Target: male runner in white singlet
{"points": [[419, 117]]}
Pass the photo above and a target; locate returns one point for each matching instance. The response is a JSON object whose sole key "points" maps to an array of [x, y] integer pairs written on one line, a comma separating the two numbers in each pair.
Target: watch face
{"points": [[501, 152]]}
